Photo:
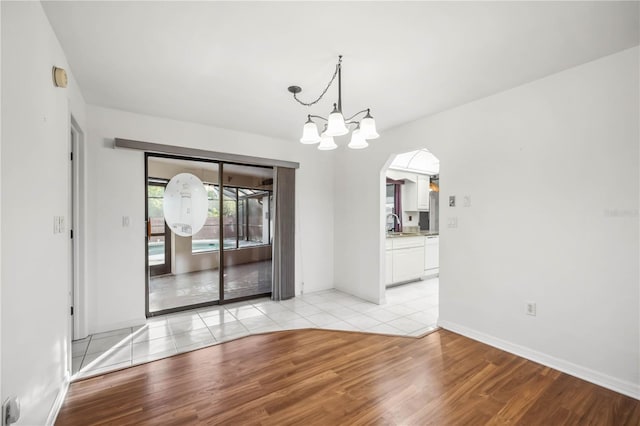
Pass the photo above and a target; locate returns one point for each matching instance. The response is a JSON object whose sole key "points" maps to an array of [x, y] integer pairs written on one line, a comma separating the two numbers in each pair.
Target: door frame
{"points": [[166, 267], [77, 221], [221, 250]]}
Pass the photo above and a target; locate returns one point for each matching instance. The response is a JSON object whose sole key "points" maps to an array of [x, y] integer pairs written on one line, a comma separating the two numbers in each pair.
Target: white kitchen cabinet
{"points": [[388, 279], [409, 196], [432, 254], [407, 259], [423, 188]]}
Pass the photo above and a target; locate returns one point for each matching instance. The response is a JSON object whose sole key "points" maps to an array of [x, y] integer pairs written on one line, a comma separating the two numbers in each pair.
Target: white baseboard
{"points": [[57, 404], [621, 386]]}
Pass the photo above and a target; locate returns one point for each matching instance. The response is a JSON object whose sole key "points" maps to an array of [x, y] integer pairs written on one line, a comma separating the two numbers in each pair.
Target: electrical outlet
{"points": [[125, 221], [452, 222], [531, 308], [10, 411]]}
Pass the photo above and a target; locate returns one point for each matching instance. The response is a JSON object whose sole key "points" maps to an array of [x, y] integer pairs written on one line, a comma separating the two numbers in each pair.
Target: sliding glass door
{"points": [[192, 274], [229, 258], [247, 231]]}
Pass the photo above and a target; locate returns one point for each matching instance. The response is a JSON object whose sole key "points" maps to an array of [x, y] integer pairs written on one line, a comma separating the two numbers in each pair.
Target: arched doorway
{"points": [[411, 207]]}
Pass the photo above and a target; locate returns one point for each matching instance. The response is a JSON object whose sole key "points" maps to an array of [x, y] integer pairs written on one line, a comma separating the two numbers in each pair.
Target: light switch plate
{"points": [[531, 308]]}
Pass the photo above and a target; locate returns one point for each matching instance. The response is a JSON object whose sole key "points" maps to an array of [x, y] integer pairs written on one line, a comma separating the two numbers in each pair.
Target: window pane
{"points": [[229, 218], [156, 250], [256, 221], [155, 197], [207, 239]]}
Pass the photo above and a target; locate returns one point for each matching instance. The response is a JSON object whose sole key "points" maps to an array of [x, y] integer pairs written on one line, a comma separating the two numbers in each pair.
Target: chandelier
{"points": [[336, 124]]}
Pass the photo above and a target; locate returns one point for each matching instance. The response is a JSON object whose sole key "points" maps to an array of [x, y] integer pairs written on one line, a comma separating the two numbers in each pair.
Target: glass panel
{"points": [[156, 250], [193, 278], [390, 199], [247, 230], [208, 238], [230, 218]]}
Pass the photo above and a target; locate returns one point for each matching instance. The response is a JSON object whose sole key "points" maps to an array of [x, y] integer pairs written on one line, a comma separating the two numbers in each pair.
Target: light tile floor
{"points": [[410, 310]]}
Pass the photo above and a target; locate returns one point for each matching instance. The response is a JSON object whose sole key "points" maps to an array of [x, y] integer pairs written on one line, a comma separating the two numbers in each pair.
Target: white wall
{"points": [[35, 187], [116, 188], [1, 394], [552, 171]]}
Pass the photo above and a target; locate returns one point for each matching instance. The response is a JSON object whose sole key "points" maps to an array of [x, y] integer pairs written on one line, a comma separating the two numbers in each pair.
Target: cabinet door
{"points": [[409, 196], [423, 193], [388, 279], [431, 253], [408, 264]]}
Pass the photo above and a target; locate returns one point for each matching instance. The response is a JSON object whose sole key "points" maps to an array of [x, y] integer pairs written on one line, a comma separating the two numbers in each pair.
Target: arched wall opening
{"points": [[409, 209]]}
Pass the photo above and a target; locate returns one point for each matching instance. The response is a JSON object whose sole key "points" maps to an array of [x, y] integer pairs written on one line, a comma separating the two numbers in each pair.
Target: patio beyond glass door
{"points": [[247, 230], [191, 274]]}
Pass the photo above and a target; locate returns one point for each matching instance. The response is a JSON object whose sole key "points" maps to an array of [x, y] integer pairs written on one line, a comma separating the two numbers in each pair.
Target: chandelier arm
{"points": [[354, 115], [333, 78], [318, 116]]}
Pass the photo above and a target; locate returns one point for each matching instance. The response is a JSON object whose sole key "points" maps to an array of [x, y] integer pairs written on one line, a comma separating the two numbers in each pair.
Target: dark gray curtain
{"points": [[284, 234]]}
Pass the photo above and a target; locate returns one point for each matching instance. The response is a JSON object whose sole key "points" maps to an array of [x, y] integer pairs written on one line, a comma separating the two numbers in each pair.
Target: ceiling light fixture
{"points": [[336, 124]]}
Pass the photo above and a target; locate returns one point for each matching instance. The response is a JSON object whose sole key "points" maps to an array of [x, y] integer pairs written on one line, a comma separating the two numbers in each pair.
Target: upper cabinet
{"points": [[415, 190], [409, 196], [423, 193]]}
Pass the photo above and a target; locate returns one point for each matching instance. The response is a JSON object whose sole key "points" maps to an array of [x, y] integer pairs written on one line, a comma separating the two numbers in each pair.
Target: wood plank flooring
{"points": [[321, 377]]}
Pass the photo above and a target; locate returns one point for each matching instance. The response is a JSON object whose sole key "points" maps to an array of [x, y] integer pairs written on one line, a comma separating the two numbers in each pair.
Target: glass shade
{"points": [[327, 143], [368, 128], [336, 126], [357, 141], [185, 204], [310, 133]]}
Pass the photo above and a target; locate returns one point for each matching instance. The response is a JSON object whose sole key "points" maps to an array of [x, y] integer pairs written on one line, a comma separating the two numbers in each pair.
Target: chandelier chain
{"points": [[335, 73]]}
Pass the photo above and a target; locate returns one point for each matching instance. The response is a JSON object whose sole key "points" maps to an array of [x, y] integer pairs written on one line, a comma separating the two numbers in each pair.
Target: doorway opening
{"points": [[230, 258], [412, 228]]}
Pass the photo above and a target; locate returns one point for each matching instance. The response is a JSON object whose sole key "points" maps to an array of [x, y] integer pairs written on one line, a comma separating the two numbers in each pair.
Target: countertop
{"points": [[412, 234]]}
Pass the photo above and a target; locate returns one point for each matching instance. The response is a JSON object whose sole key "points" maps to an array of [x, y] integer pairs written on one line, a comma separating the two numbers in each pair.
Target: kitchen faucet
{"points": [[397, 218]]}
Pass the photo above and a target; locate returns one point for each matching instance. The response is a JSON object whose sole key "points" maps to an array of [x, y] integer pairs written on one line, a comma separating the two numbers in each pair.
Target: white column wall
{"points": [[552, 171], [35, 188], [116, 188]]}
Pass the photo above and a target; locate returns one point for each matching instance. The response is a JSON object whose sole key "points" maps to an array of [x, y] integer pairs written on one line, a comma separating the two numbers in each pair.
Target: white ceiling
{"points": [[228, 64]]}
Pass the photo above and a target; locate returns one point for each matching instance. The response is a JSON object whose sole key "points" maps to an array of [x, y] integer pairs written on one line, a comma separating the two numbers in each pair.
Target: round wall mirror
{"points": [[185, 204]]}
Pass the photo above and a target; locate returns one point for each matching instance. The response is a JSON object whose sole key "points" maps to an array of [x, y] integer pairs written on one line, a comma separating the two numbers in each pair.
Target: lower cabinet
{"points": [[432, 254], [389, 261], [405, 259], [408, 264]]}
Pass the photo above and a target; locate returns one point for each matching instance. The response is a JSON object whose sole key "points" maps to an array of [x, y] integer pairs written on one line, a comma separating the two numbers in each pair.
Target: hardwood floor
{"points": [[325, 377]]}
